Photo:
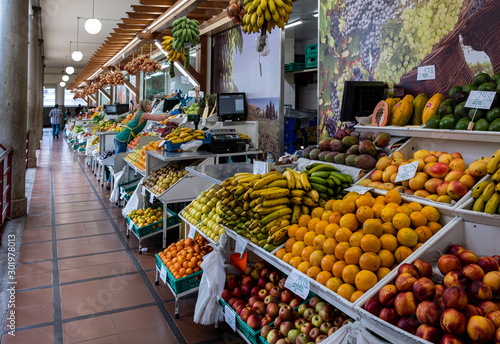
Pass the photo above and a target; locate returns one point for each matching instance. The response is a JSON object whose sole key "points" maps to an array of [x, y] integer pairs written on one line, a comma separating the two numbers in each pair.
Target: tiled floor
{"points": [[80, 280]]}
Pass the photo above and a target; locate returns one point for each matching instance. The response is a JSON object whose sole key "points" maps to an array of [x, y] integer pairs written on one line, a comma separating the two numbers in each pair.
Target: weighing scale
{"points": [[227, 141]]}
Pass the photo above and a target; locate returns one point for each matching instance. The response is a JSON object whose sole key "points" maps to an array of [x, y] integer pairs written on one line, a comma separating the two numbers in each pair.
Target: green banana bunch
{"points": [[266, 14], [184, 31]]}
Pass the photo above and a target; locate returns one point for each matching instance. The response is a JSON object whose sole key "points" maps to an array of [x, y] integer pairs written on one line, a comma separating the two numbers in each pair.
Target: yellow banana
{"points": [[257, 193], [227, 182], [263, 5], [278, 226], [492, 205], [296, 213], [296, 200], [280, 234], [496, 176], [322, 203], [275, 193], [264, 181], [297, 193], [269, 210], [488, 192], [314, 195], [275, 215], [477, 191], [479, 205], [279, 3], [272, 6], [275, 202], [494, 162], [304, 180], [271, 173], [309, 201], [290, 178], [276, 221], [248, 179], [278, 183], [498, 188], [246, 196], [281, 11], [305, 210], [267, 15]]}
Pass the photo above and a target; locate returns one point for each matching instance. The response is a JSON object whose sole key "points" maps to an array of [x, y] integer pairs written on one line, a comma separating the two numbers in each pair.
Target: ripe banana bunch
{"points": [[487, 195], [266, 14], [167, 45], [184, 31], [494, 163]]}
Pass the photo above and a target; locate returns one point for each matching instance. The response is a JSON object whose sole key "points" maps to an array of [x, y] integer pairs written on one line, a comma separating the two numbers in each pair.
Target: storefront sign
{"points": [[192, 231]]}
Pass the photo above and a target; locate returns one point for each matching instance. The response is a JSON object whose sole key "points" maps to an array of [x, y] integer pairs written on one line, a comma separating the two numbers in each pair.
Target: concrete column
{"points": [[13, 93], [33, 85], [60, 96], [39, 117]]}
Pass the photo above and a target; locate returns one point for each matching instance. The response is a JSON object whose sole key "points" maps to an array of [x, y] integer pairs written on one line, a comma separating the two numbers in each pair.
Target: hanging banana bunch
{"points": [[266, 15], [184, 31], [172, 55]]}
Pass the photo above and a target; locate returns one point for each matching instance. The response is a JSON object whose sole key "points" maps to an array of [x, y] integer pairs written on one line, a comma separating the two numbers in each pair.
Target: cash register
{"points": [[227, 141]]}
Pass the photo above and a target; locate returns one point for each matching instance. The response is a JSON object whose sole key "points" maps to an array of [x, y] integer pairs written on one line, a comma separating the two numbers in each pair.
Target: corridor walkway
{"points": [[79, 279]]}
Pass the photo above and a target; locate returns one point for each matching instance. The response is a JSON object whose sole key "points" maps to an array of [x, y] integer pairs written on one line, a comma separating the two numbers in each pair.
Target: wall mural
{"points": [[235, 68], [386, 40]]}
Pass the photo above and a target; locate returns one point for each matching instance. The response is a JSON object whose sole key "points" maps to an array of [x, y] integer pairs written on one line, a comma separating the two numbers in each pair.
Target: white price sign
{"points": [[172, 85], [185, 80], [241, 246], [480, 99], [151, 197], [426, 73], [131, 225], [230, 317], [259, 167], [298, 284], [143, 191], [192, 94], [163, 273], [162, 143], [192, 232], [406, 172], [358, 188]]}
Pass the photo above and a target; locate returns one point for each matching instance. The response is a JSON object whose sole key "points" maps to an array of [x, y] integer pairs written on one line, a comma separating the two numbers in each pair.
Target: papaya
{"points": [[402, 111], [432, 106], [409, 97], [392, 102], [380, 117], [418, 108]]}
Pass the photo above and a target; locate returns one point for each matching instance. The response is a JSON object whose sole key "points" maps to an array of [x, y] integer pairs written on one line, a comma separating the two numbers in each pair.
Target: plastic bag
{"points": [[262, 46], [115, 195], [353, 333], [136, 200], [191, 146]]}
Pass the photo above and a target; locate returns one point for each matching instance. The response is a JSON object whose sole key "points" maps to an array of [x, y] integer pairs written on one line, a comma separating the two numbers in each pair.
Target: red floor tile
{"points": [[33, 269], [33, 297], [33, 281], [87, 329], [78, 274], [81, 290], [42, 335]]}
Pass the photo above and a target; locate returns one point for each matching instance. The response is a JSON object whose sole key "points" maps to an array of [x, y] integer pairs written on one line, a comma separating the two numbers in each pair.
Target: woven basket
{"points": [[449, 60]]}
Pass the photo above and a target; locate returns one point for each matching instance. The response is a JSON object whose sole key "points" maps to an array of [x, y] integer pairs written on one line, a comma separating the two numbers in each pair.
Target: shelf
{"points": [[196, 228], [302, 71], [218, 173], [170, 156], [136, 169]]}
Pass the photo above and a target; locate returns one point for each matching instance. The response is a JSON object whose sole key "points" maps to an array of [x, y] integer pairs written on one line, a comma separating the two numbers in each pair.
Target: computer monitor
{"points": [[117, 109], [360, 98], [231, 106]]}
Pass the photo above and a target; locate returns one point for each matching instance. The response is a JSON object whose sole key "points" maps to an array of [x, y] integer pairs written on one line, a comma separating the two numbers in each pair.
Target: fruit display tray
{"points": [[466, 213], [128, 186], [481, 239], [172, 219], [171, 147], [180, 285]]}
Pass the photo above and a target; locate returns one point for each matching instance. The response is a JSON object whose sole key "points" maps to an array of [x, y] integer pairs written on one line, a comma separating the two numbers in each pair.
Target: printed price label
{"points": [[192, 232], [162, 143], [259, 167], [298, 284], [426, 73], [172, 85], [185, 80], [230, 317], [131, 225], [191, 94], [358, 188], [241, 246], [406, 172], [151, 197], [480, 99], [143, 191], [163, 274]]}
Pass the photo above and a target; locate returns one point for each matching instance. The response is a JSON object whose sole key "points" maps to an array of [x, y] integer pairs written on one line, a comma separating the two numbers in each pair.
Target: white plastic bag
{"points": [[353, 333], [191, 146], [115, 195], [262, 45], [136, 200]]}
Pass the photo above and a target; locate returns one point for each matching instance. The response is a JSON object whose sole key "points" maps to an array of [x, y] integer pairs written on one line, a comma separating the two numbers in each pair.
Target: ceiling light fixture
{"points": [[165, 15], [77, 55], [315, 14], [62, 84], [93, 25], [294, 23], [70, 70], [65, 78]]}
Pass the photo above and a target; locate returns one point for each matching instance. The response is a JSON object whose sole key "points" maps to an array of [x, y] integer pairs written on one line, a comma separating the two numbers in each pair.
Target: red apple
{"points": [[373, 306], [259, 307], [470, 310], [281, 283], [265, 273], [299, 322], [273, 336], [387, 294], [453, 321], [255, 291], [269, 299], [238, 303], [332, 330], [269, 286], [275, 291], [478, 292], [320, 338], [248, 272], [265, 321], [424, 289], [313, 301], [468, 257], [263, 294], [226, 295], [408, 324], [286, 296], [272, 310], [308, 314], [262, 282], [424, 268], [260, 265], [409, 268], [277, 321], [255, 274], [246, 289], [247, 280], [389, 315], [314, 333], [405, 281], [265, 330], [254, 321], [306, 328], [237, 292], [245, 313], [240, 308], [325, 327], [428, 313], [455, 279], [405, 304], [456, 250], [428, 333], [455, 297], [302, 338], [473, 272], [488, 264], [252, 300], [294, 303], [232, 301], [448, 263], [274, 277], [285, 327], [231, 284], [286, 313], [480, 329]]}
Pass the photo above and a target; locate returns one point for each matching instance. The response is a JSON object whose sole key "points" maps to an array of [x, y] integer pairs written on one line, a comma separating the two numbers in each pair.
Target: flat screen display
{"points": [[231, 104]]}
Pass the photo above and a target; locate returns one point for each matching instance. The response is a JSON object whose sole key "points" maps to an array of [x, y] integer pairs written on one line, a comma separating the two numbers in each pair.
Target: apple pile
{"points": [[458, 310], [440, 176], [313, 322]]}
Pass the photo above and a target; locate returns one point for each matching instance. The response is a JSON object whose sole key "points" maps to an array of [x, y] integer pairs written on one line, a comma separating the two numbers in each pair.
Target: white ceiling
{"points": [[304, 9], [59, 23]]}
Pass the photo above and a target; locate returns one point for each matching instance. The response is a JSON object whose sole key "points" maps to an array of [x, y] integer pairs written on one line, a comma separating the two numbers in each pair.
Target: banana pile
{"points": [[487, 193], [180, 135], [184, 31], [327, 180], [167, 45], [266, 14]]}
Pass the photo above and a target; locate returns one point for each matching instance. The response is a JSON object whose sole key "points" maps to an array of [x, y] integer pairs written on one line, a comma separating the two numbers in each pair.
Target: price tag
{"points": [[143, 191], [480, 99], [192, 232], [406, 172], [191, 94], [230, 317], [131, 225], [259, 167], [298, 284], [426, 73], [162, 143], [185, 80], [163, 273], [241, 246], [358, 188], [151, 198], [172, 85]]}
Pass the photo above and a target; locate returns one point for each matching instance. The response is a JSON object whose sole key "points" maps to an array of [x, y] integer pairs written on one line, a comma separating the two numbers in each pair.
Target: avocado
{"points": [[496, 78], [482, 125], [454, 89], [462, 124], [448, 122], [433, 122], [478, 115], [488, 86], [459, 96], [498, 88], [481, 78], [445, 108], [461, 110], [495, 125], [469, 87], [493, 114]]}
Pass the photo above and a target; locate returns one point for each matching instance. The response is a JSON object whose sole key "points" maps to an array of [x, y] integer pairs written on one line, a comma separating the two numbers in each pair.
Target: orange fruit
{"points": [[388, 242], [309, 238], [407, 237], [331, 229], [352, 255], [338, 267], [377, 209], [289, 243], [319, 241], [416, 247], [281, 253], [380, 199], [321, 226], [323, 277], [346, 290], [329, 204], [434, 227], [312, 223], [297, 248], [349, 273], [369, 261], [334, 283], [382, 272], [388, 227], [404, 209], [335, 217], [350, 221], [431, 213], [424, 233], [347, 206], [326, 215], [388, 213], [306, 253], [355, 239], [327, 262], [343, 234], [415, 206], [364, 201], [317, 212], [304, 220], [316, 257], [295, 261], [356, 295], [365, 280], [340, 250], [393, 196], [401, 253], [292, 229], [300, 232], [364, 213], [335, 205], [329, 245], [386, 258], [373, 226], [401, 220], [370, 243], [303, 267], [313, 271], [393, 205]]}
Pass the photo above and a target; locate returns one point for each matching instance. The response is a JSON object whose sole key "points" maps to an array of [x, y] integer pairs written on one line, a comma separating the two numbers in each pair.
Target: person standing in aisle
{"points": [[136, 125], [77, 110], [56, 116]]}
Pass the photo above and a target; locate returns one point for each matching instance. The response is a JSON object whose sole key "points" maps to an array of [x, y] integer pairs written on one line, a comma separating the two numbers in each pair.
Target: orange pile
{"points": [[352, 243], [184, 257], [141, 162]]}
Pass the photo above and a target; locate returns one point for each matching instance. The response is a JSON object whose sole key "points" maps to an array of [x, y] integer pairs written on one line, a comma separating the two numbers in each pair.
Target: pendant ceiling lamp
{"points": [[65, 78], [62, 84], [93, 25], [77, 55], [70, 70]]}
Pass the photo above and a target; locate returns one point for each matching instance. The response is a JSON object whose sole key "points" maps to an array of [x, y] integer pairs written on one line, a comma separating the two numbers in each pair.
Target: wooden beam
{"points": [[131, 26], [93, 98], [104, 92], [136, 21], [206, 11], [158, 2], [214, 4], [150, 9], [219, 17], [134, 15], [126, 30], [131, 87], [122, 35]]}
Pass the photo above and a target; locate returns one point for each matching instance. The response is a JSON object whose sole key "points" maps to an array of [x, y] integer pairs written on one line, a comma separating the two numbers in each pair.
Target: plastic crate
{"points": [[129, 186], [290, 135], [290, 67], [312, 62], [171, 147], [289, 123], [180, 285], [311, 50], [172, 219]]}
